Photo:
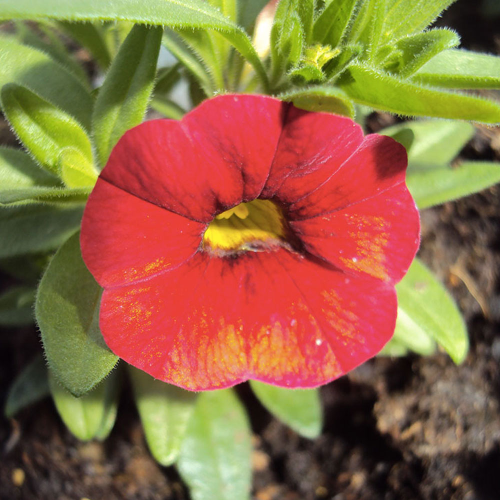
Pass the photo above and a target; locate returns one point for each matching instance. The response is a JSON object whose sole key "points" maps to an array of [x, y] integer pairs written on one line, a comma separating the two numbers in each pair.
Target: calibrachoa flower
{"points": [[250, 240]]}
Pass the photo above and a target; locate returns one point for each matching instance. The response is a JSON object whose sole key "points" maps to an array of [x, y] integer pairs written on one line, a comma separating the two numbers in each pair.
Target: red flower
{"points": [[294, 286]]}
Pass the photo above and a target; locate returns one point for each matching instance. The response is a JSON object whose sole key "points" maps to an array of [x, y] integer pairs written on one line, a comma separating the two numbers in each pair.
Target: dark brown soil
{"points": [[409, 428]]}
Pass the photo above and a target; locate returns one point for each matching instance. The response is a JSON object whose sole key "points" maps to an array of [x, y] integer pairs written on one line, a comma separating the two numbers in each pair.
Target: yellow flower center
{"points": [[254, 226]]}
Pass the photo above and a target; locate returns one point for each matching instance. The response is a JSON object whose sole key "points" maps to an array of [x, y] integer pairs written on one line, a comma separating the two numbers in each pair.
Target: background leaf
{"points": [[382, 91], [321, 98], [43, 128], [431, 309], [435, 142], [165, 411], [124, 96], [173, 13], [89, 416], [38, 72], [29, 386], [36, 228], [432, 185], [215, 454], [16, 306], [300, 409], [456, 68], [67, 312]]}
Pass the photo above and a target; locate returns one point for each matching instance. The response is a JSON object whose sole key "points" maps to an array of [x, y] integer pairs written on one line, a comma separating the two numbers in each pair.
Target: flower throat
{"points": [[253, 226]]}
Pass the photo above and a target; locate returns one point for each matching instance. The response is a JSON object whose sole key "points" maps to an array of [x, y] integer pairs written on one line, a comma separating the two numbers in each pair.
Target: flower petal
{"points": [[215, 157], [378, 236], [378, 164], [126, 239], [271, 316], [312, 147]]}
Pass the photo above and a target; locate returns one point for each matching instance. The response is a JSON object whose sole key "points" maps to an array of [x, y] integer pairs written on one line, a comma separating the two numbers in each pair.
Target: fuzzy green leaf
{"points": [[90, 416], [215, 454], [173, 13], [321, 98], [18, 170], [124, 96], [412, 52], [88, 36], [300, 408], [67, 312], [50, 43], [432, 185], [16, 306], [173, 42], [331, 24], [378, 90], [38, 72], [23, 181], [435, 142], [75, 170], [429, 307], [30, 386], [165, 411], [405, 18], [36, 228], [43, 128], [461, 69], [287, 38]]}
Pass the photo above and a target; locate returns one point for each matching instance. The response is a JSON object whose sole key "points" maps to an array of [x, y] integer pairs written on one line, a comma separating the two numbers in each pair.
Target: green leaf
{"points": [[90, 416], [168, 108], [384, 92], [43, 128], [75, 170], [412, 52], [430, 308], [18, 170], [184, 55], [123, 99], [172, 13], [461, 69], [412, 336], [53, 47], [67, 312], [38, 72], [16, 306], [23, 196], [26, 268], [321, 98], [298, 408], [405, 18], [36, 228], [165, 411], [432, 185], [435, 142], [30, 386], [88, 36], [332, 23], [394, 348], [206, 49], [287, 38], [215, 454], [166, 79], [24, 181]]}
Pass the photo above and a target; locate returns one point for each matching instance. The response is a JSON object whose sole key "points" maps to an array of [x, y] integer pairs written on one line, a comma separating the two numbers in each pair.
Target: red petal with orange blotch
{"points": [[126, 239], [270, 316]]}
